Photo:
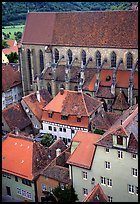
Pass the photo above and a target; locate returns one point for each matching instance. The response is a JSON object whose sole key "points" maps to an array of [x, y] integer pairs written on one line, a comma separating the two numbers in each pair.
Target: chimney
{"points": [[61, 91], [58, 152], [38, 96]]}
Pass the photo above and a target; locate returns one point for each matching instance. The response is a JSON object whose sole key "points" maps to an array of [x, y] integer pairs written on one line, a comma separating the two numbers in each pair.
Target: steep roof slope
{"points": [[98, 29]]}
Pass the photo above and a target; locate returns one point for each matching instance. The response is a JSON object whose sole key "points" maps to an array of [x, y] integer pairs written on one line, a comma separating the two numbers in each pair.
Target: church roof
{"points": [[114, 29]]}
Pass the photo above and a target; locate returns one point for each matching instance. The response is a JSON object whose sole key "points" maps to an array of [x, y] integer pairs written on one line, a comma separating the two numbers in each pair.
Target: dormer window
{"points": [[78, 119], [50, 114], [64, 117], [119, 140]]}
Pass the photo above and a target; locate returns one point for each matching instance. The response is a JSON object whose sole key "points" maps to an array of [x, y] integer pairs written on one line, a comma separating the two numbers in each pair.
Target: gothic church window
{"points": [[98, 59], [84, 57], [113, 60], [129, 61], [69, 56], [41, 60], [56, 55], [29, 64], [49, 88]]}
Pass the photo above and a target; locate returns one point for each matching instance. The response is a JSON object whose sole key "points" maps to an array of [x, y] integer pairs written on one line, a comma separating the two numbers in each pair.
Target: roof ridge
{"points": [[84, 103]]}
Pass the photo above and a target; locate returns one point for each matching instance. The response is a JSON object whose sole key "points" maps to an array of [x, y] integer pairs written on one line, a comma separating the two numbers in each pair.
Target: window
{"points": [[28, 195], [134, 156], [129, 61], [56, 55], [18, 191], [78, 119], [84, 175], [43, 187], [29, 64], [130, 188], [113, 60], [23, 192], [15, 96], [120, 154], [107, 165], [69, 56], [50, 189], [85, 191], [60, 129], [26, 182], [96, 112], [136, 190], [62, 186], [103, 180], [109, 182], [64, 129], [30, 116], [119, 140], [98, 59], [16, 178], [50, 128], [109, 198], [54, 129], [107, 150], [50, 115], [41, 60], [134, 172], [73, 131], [64, 117], [84, 57]]}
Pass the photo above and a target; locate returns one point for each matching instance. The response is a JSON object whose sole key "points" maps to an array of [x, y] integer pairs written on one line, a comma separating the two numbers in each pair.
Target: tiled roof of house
{"points": [[15, 116], [11, 42], [96, 195], [86, 143], [8, 50], [25, 157], [33, 103], [73, 103], [120, 76], [13, 80], [120, 102], [125, 125], [98, 29], [57, 169], [104, 120], [104, 92]]}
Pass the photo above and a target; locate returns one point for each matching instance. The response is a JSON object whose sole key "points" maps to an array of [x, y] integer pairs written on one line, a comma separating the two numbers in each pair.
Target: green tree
{"points": [[13, 57], [47, 140], [99, 131], [66, 195], [4, 44], [18, 36]]}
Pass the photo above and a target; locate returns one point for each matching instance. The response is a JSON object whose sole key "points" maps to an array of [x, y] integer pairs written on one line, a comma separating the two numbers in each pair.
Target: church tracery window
{"points": [[29, 64], [113, 59], [56, 55], [98, 59], [84, 57], [41, 60], [129, 61], [69, 56]]}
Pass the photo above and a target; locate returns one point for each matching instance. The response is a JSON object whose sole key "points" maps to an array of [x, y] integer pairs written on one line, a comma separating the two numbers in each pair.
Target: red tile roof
{"points": [[96, 195], [98, 28], [120, 76], [104, 92], [31, 157], [36, 106], [10, 77], [11, 43], [15, 116], [120, 102], [86, 144], [8, 50]]}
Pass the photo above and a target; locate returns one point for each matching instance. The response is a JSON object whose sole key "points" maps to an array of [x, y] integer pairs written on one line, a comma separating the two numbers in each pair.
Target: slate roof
{"points": [[96, 195], [15, 116], [86, 142], [36, 106], [57, 169], [104, 120], [31, 157], [92, 29], [13, 80], [120, 102]]}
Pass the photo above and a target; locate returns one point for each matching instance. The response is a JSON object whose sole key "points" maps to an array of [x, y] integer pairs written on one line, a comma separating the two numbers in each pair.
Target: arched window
{"points": [[69, 56], [41, 60], [62, 86], [84, 57], [113, 59], [98, 59], [49, 88], [29, 64], [56, 55], [129, 61]]}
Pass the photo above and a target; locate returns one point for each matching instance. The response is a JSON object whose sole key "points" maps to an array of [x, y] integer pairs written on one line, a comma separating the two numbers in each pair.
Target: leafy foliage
{"points": [[99, 131], [47, 140], [4, 44], [13, 57], [14, 13]]}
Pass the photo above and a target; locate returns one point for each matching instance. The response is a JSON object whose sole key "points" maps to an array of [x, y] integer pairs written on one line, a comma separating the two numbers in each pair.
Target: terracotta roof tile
{"points": [[11, 43], [13, 80], [15, 116], [96, 195], [8, 50], [86, 142], [120, 102], [104, 27], [104, 92], [36, 106]]}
